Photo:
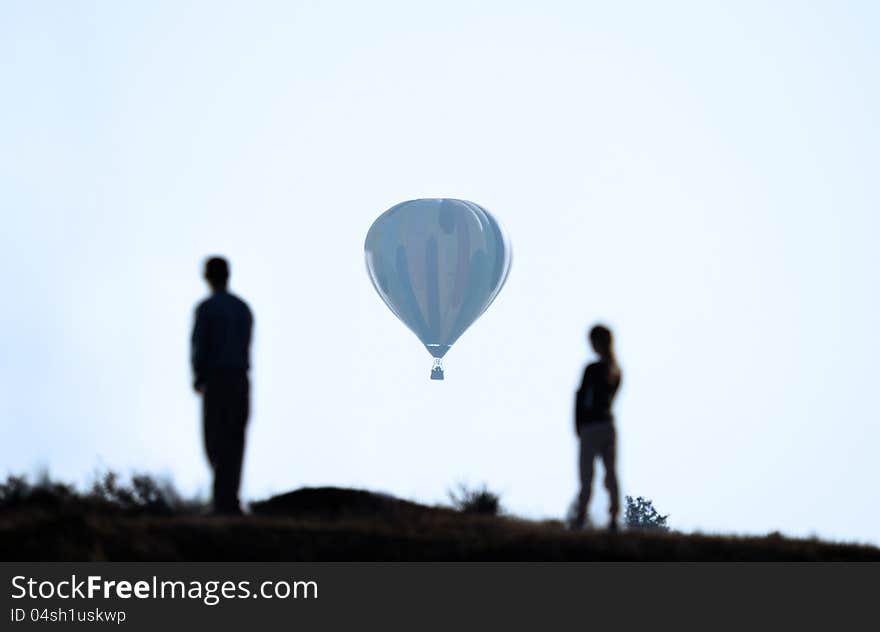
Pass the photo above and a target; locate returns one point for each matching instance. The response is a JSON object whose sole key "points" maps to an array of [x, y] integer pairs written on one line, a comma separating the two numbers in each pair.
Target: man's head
{"points": [[217, 273]]}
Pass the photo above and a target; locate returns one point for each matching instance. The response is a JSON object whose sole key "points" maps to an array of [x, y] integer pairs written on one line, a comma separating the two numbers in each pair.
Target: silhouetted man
{"points": [[221, 341]]}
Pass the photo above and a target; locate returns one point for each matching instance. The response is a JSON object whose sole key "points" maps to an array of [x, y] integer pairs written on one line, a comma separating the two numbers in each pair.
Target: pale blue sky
{"points": [[700, 175]]}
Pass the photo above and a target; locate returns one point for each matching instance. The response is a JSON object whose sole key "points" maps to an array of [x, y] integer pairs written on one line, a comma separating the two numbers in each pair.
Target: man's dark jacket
{"points": [[221, 335]]}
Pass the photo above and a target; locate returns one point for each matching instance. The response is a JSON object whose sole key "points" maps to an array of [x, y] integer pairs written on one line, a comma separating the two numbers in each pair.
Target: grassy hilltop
{"points": [[146, 522]]}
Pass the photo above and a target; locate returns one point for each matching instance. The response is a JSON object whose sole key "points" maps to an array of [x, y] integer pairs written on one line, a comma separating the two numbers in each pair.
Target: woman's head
{"points": [[602, 341]]}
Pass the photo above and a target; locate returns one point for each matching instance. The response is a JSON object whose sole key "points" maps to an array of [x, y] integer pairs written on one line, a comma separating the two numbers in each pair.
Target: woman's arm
{"points": [[583, 400]]}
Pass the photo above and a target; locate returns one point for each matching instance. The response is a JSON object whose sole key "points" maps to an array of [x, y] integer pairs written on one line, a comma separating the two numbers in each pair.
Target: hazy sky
{"points": [[702, 176]]}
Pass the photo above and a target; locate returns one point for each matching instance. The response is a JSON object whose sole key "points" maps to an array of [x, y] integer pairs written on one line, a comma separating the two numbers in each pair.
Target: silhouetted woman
{"points": [[594, 424]]}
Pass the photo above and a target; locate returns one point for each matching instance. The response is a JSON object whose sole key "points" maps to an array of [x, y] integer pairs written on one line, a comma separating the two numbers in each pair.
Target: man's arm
{"points": [[250, 331], [198, 347]]}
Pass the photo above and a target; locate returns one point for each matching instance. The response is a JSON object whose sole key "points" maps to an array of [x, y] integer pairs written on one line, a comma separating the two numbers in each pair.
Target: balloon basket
{"points": [[437, 369]]}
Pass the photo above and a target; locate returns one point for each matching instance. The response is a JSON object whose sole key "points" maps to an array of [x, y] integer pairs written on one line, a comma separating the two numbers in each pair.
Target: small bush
{"points": [[17, 490], [640, 514], [476, 501], [14, 490], [141, 494]]}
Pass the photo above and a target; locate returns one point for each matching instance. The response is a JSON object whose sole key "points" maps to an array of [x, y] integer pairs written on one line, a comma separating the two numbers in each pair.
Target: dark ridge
{"points": [[335, 503]]}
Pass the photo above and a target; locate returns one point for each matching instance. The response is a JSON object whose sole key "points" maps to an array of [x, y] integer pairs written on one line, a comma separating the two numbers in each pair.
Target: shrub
{"points": [[640, 514], [476, 501], [143, 493], [17, 490]]}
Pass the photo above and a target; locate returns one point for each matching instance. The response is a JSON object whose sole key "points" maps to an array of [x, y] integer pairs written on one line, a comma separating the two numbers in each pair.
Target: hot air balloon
{"points": [[438, 264]]}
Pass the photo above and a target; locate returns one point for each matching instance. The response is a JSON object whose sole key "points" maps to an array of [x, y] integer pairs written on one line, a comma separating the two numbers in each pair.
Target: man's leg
{"points": [[212, 421], [235, 414]]}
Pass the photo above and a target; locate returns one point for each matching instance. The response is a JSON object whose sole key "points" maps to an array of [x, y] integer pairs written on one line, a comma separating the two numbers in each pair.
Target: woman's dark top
{"points": [[596, 394]]}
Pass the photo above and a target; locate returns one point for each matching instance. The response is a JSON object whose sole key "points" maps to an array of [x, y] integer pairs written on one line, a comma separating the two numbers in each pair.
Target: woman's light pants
{"points": [[598, 440]]}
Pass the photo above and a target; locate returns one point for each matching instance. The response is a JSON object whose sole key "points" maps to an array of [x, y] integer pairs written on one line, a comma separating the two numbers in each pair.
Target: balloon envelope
{"points": [[437, 264]]}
